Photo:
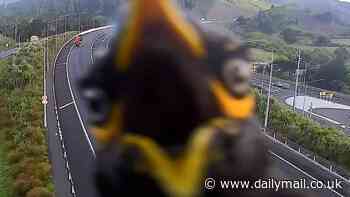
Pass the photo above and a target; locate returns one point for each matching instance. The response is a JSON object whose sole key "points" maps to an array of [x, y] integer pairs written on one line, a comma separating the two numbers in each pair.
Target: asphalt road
{"points": [[341, 116], [294, 166], [80, 146], [76, 144], [5, 54], [58, 163]]}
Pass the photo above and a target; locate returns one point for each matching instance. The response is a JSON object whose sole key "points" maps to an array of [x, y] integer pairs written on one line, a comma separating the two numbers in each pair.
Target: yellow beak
{"points": [[156, 13], [231, 107]]}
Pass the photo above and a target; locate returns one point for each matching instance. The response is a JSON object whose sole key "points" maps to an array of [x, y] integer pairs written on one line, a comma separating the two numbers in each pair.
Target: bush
{"points": [[290, 35], [21, 186], [14, 156], [322, 41], [39, 192], [21, 126]]}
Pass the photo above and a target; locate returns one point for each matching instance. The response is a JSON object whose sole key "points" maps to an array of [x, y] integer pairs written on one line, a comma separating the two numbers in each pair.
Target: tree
{"points": [[320, 56], [290, 35], [39, 192], [36, 27], [334, 73], [241, 20], [342, 53], [322, 41], [265, 22]]}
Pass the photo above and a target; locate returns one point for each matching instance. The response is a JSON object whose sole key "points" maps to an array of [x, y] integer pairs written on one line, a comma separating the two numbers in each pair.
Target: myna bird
{"points": [[170, 105]]}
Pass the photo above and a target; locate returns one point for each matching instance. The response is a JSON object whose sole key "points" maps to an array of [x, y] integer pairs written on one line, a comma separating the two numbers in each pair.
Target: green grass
{"points": [[4, 175], [24, 164], [254, 5]]}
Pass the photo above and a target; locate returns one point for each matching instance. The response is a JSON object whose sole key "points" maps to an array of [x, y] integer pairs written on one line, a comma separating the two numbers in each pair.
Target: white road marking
{"points": [[66, 105], [92, 46], [59, 67], [315, 103], [56, 109], [76, 106], [302, 171], [55, 104], [328, 119], [96, 29], [60, 64], [307, 158]]}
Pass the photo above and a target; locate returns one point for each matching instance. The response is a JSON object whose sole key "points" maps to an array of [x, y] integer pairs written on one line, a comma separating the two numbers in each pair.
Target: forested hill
{"points": [[339, 8], [36, 8]]}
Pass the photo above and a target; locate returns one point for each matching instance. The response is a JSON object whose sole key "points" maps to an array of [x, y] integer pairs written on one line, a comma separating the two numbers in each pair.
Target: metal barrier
{"points": [[331, 166]]}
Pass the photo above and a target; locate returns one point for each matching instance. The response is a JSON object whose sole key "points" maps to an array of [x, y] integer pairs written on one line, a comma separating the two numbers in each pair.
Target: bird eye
{"points": [[98, 105], [236, 75]]}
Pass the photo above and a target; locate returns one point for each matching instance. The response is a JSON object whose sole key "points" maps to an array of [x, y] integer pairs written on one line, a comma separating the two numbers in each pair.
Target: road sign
{"points": [[44, 100]]}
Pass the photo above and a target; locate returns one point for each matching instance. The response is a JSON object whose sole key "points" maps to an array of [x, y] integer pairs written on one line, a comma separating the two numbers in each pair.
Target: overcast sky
{"points": [[345, 0]]}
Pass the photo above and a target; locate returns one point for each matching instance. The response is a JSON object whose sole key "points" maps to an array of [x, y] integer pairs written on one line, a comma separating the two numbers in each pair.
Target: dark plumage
{"points": [[160, 111]]}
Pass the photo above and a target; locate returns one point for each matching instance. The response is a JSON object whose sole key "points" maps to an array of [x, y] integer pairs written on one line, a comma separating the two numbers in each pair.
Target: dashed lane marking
{"points": [[66, 105]]}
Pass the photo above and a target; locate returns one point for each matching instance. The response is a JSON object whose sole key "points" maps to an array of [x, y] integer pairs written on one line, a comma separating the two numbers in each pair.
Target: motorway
{"points": [[7, 53], [332, 117], [72, 148]]}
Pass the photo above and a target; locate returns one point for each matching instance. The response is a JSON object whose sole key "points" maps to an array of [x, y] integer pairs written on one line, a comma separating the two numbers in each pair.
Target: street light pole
{"points": [[65, 28], [305, 88], [44, 79], [262, 79], [56, 43], [269, 94], [19, 40], [79, 23], [15, 35], [297, 81]]}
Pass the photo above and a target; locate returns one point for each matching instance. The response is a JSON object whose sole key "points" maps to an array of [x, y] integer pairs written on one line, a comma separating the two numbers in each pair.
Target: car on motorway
{"points": [[77, 41], [282, 85]]}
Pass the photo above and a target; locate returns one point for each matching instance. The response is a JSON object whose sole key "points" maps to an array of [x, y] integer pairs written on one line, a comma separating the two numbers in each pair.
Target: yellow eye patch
{"points": [[230, 106]]}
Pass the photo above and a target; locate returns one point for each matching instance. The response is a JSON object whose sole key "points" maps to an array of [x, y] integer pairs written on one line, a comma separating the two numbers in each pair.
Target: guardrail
{"points": [[335, 169]]}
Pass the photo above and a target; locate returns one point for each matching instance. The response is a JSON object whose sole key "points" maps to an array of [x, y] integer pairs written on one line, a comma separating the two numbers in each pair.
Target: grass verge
{"points": [[24, 160]]}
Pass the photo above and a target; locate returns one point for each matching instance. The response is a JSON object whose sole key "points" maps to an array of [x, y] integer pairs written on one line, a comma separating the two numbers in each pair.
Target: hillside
{"points": [[317, 16], [52, 7], [338, 8], [205, 8], [291, 19], [229, 9], [5, 2]]}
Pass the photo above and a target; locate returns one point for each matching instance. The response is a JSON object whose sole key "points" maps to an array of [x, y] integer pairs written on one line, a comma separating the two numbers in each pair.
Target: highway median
{"points": [[24, 137]]}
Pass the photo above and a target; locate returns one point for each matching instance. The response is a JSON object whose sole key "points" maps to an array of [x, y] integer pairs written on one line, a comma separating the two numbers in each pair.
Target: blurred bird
{"points": [[170, 106]]}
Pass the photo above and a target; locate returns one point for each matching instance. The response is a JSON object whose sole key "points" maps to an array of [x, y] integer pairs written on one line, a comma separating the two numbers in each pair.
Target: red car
{"points": [[77, 41]]}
